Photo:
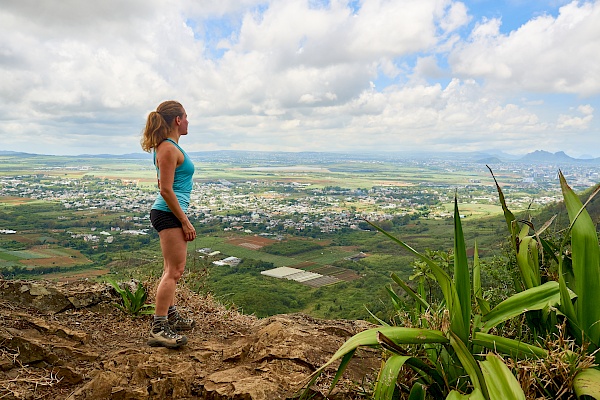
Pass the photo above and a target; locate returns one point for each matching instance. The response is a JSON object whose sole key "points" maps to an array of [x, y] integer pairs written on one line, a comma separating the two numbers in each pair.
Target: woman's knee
{"points": [[175, 273]]}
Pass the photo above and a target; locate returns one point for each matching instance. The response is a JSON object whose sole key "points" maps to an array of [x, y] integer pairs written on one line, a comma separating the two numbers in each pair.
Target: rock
{"points": [[54, 329], [45, 299], [67, 374], [6, 365], [26, 349], [100, 352], [101, 387]]}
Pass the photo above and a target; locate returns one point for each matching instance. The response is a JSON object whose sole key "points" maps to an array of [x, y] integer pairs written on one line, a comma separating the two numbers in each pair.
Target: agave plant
{"points": [[579, 289], [134, 303], [448, 356]]}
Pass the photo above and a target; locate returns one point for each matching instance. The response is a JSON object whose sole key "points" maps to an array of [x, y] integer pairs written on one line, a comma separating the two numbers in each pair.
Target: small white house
{"points": [[230, 261]]}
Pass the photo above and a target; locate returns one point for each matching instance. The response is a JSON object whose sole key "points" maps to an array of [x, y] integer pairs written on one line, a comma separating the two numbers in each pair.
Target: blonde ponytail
{"points": [[158, 124]]}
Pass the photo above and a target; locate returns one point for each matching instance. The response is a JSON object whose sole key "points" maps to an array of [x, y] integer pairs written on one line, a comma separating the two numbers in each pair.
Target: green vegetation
{"points": [[61, 237], [291, 247], [134, 303], [442, 342]]}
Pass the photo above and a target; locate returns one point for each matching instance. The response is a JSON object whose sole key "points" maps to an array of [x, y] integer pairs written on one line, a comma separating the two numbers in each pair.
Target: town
{"points": [[273, 207], [297, 229]]}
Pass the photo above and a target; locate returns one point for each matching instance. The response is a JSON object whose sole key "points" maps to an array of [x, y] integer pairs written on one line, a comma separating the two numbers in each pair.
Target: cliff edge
{"points": [[69, 341]]}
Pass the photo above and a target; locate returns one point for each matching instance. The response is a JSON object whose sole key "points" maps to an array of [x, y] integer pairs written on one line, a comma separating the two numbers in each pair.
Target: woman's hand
{"points": [[189, 232]]}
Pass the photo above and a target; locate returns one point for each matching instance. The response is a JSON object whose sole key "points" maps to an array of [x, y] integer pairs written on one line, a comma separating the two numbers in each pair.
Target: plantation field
{"points": [[324, 256], [42, 256], [340, 273], [7, 201], [217, 243], [348, 174], [472, 210], [237, 246], [351, 175], [75, 276], [251, 242]]}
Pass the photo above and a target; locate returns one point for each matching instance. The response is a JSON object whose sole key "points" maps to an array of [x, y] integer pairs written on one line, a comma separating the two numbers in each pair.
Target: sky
{"points": [[80, 77]]}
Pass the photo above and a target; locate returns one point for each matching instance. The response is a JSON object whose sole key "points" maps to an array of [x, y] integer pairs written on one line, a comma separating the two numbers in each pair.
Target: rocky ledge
{"points": [[69, 341]]}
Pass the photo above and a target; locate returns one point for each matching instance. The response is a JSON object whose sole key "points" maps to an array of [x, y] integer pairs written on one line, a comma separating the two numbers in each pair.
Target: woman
{"points": [[174, 171]]}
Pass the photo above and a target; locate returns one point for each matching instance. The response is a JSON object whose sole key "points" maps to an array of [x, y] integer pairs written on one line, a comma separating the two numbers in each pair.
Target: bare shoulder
{"points": [[168, 152]]}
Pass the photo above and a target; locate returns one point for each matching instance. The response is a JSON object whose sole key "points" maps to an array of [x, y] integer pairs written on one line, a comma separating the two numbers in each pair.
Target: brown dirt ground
{"points": [[115, 335], [304, 265], [110, 330], [62, 261], [60, 277], [258, 241]]}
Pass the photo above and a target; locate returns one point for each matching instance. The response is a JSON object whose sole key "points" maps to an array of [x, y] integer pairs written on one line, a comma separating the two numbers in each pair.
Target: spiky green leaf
{"points": [[508, 215], [462, 279], [500, 382], [400, 335], [512, 347], [417, 392], [587, 383], [441, 276], [458, 324], [536, 298], [468, 362], [386, 383], [484, 305], [341, 368], [528, 262], [586, 264], [475, 395], [422, 302]]}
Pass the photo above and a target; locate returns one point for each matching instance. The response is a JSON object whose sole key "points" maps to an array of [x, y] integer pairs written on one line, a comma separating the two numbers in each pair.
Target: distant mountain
{"points": [[16, 153], [312, 157], [559, 157], [489, 160], [501, 155], [129, 156], [545, 156]]}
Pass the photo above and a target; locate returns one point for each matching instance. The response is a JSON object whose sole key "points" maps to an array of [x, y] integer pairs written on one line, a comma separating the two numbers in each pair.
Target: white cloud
{"points": [[545, 55], [292, 74], [455, 17], [574, 122]]}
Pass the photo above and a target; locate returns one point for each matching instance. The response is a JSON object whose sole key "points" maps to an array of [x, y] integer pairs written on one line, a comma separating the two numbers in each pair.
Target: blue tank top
{"points": [[182, 183]]}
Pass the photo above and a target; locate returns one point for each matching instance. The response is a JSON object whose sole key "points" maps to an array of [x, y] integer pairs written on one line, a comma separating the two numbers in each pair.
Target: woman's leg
{"points": [[174, 250]]}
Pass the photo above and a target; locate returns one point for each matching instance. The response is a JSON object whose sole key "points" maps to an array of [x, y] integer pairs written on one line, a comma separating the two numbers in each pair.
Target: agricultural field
{"points": [[249, 247], [268, 210], [33, 256]]}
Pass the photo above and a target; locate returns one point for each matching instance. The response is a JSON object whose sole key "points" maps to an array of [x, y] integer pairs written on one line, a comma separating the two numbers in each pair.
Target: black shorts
{"points": [[164, 220]]}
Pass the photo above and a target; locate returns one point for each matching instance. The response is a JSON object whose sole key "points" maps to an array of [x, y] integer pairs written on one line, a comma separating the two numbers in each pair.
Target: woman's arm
{"points": [[168, 157]]}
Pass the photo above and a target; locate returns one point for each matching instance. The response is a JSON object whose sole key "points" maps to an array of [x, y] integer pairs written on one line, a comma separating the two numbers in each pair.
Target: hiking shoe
{"points": [[166, 338], [178, 323]]}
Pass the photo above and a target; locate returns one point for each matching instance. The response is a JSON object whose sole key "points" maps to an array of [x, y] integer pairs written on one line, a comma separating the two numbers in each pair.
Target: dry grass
{"points": [[208, 311], [552, 377], [31, 377]]}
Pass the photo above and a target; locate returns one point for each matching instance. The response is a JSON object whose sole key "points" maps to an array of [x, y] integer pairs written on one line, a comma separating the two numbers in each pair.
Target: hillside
{"points": [[69, 341]]}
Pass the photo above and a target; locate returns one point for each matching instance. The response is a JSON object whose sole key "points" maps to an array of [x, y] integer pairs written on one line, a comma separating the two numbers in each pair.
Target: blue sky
{"points": [[296, 75]]}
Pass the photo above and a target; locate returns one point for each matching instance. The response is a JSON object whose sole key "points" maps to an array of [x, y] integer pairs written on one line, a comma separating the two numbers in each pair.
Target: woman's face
{"points": [[183, 124]]}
